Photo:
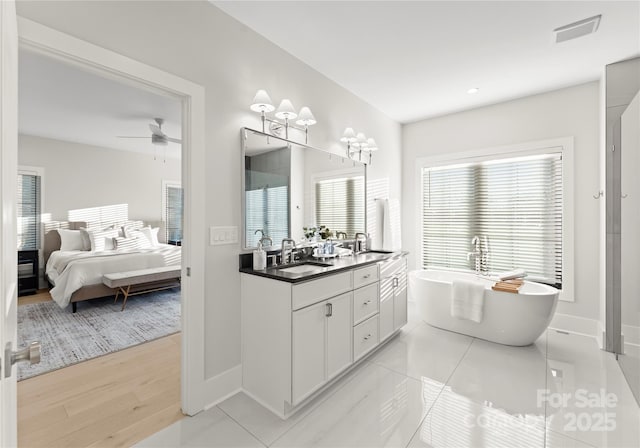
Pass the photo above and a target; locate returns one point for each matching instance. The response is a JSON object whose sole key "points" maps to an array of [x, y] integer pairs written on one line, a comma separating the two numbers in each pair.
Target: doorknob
{"points": [[30, 353]]}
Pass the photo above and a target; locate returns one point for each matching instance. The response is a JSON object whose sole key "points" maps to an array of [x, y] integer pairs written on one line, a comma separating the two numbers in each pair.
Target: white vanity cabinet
{"points": [[321, 344], [298, 337], [393, 296]]}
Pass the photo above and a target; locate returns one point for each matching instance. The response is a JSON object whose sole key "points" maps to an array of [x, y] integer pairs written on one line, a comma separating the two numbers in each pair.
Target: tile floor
{"points": [[433, 388]]}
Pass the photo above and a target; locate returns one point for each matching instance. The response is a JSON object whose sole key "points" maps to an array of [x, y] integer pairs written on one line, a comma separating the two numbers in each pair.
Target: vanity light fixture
{"points": [[358, 143], [285, 111]]}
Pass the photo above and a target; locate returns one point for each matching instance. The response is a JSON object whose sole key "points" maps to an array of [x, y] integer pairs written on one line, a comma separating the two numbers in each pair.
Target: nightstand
{"points": [[27, 272]]}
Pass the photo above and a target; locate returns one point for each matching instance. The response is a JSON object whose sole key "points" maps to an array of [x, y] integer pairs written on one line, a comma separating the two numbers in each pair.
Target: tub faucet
{"points": [[479, 254], [284, 258]]}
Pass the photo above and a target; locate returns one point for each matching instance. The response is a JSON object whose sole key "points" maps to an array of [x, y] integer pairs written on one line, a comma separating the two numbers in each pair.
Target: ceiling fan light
{"points": [[261, 102]]}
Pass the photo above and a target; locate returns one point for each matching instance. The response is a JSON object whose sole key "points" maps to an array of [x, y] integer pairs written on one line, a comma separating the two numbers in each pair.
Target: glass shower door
{"points": [[630, 243]]}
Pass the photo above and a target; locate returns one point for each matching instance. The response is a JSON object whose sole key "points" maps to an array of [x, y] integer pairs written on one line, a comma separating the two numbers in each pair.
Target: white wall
{"points": [[571, 112], [82, 176], [198, 42]]}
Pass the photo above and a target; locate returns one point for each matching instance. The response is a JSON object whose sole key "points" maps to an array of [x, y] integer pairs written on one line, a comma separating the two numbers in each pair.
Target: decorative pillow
{"points": [[123, 243], [102, 239], [70, 240], [86, 240], [151, 234], [143, 241]]}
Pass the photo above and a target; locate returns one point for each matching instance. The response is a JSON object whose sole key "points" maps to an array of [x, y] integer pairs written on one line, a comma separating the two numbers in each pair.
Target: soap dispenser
{"points": [[259, 258]]}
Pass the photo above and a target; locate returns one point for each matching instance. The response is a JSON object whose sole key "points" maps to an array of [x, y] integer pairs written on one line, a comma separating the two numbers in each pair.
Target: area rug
{"points": [[96, 329]]}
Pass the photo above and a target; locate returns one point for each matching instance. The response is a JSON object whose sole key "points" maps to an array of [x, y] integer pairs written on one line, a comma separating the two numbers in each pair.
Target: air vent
{"points": [[577, 29]]}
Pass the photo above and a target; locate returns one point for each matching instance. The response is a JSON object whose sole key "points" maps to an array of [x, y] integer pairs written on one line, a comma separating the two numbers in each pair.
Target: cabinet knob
{"points": [[367, 336], [367, 302], [366, 276]]}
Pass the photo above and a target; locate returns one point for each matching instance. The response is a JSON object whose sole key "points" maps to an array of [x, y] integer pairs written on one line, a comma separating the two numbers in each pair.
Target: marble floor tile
{"points": [[424, 352], [588, 398], [502, 376], [264, 424], [456, 421], [211, 428], [376, 408]]}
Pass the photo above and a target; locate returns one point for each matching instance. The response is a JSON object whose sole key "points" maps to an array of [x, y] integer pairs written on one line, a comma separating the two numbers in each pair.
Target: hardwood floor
{"points": [[41, 296], [115, 400]]}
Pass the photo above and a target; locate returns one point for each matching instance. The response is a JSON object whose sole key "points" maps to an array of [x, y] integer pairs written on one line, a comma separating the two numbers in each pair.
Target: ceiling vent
{"points": [[577, 29]]}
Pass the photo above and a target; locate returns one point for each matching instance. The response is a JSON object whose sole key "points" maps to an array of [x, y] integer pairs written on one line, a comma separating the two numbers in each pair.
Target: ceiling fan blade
{"points": [[155, 129], [129, 136], [174, 140]]}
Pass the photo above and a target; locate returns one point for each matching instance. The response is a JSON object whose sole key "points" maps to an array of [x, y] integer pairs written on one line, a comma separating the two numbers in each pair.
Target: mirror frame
{"points": [[243, 143]]}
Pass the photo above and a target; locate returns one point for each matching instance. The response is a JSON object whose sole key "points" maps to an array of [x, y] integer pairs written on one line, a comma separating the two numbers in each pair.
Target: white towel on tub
{"points": [[467, 300]]}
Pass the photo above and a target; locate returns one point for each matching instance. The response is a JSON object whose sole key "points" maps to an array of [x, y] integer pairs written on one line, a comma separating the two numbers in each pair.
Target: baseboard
{"points": [[577, 325], [631, 334], [223, 386]]}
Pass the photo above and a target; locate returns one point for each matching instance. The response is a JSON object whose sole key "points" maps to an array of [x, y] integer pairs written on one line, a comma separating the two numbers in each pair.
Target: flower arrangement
{"points": [[323, 231]]}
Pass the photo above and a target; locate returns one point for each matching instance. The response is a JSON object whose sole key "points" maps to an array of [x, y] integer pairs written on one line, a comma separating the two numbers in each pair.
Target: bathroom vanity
{"points": [[305, 325]]}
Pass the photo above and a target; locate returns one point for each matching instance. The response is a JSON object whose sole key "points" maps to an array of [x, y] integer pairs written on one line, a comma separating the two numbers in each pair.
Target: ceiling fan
{"points": [[157, 136]]}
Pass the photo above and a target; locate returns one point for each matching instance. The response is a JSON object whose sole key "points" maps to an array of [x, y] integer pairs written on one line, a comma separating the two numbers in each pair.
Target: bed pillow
{"points": [[122, 243], [102, 239], [143, 241], [70, 240], [151, 233], [86, 240]]}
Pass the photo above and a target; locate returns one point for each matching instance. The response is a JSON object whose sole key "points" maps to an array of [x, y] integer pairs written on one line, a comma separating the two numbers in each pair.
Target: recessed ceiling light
{"points": [[473, 90]]}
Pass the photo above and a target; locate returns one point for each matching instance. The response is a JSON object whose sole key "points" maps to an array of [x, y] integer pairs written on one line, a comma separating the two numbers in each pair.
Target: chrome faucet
{"points": [[479, 254], [360, 246], [338, 234], [284, 258], [264, 238]]}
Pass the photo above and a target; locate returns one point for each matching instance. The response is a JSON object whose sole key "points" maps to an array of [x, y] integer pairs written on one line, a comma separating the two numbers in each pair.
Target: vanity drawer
{"points": [[308, 293], [365, 276], [365, 337], [365, 302], [389, 268]]}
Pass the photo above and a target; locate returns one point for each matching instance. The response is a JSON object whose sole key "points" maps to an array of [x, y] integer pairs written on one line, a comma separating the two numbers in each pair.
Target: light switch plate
{"points": [[223, 235]]}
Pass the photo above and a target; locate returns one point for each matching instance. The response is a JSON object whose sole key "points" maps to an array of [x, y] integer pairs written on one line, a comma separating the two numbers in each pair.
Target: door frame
{"points": [[33, 36]]}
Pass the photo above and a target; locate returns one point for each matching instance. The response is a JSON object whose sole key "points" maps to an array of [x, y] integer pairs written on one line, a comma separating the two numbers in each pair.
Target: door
{"points": [[308, 362], [8, 245], [400, 299], [339, 334]]}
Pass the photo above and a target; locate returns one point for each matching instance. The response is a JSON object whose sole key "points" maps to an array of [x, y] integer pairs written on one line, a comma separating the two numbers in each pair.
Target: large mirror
{"points": [[289, 187]]}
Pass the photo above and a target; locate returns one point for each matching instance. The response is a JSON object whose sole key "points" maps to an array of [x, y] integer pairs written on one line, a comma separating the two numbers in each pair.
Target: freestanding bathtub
{"points": [[510, 319]]}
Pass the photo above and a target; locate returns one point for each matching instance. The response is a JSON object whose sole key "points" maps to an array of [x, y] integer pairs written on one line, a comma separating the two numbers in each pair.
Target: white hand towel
{"points": [[467, 301]]}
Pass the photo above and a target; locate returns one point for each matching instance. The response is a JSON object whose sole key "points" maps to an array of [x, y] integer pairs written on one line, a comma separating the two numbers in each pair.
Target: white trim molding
{"points": [[106, 63], [563, 145], [223, 386]]}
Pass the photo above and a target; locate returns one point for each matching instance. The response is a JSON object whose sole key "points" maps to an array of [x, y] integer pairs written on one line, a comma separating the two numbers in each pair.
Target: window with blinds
{"points": [[173, 213], [267, 209], [28, 212], [516, 203], [340, 204]]}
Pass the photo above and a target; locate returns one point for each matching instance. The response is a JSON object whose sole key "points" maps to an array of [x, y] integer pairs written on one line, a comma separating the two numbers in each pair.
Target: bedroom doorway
{"points": [[45, 41]]}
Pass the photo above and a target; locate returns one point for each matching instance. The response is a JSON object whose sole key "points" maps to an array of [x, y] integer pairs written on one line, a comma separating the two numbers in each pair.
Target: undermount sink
{"points": [[304, 268], [378, 252]]}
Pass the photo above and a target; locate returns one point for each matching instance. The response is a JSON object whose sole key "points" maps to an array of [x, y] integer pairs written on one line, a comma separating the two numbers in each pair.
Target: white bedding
{"points": [[69, 271]]}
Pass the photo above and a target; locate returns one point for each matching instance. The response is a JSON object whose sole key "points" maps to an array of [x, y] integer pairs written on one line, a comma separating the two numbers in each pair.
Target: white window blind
{"points": [[28, 212], [173, 211], [340, 204], [515, 202], [267, 210]]}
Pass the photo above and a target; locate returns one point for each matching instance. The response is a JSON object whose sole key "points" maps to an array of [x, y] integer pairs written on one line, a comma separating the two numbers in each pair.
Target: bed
{"points": [[77, 275]]}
